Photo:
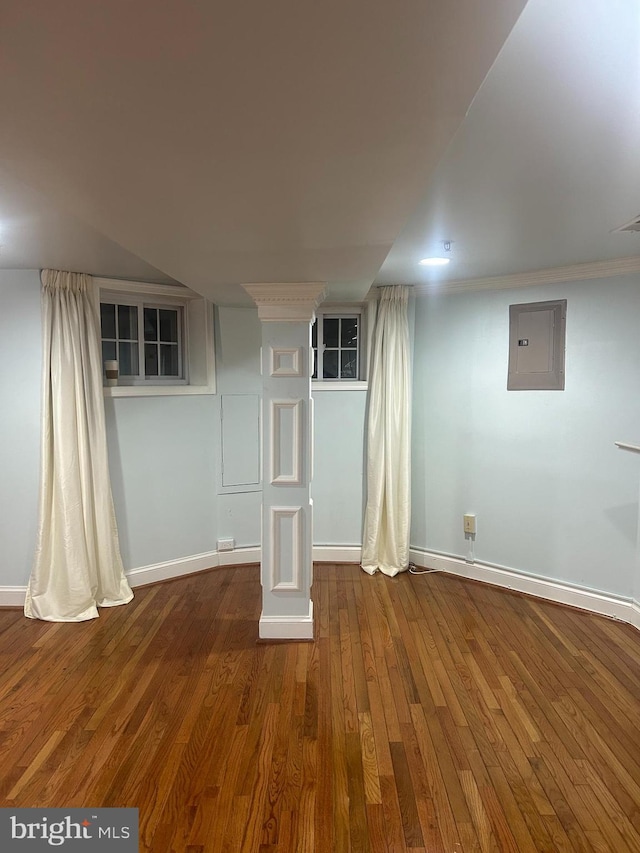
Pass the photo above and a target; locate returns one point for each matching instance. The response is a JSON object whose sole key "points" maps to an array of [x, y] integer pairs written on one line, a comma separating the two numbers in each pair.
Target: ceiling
{"points": [[216, 143], [545, 165]]}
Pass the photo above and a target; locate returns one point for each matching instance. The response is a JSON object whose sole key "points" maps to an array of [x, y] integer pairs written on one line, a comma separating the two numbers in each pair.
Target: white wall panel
{"points": [[240, 416]]}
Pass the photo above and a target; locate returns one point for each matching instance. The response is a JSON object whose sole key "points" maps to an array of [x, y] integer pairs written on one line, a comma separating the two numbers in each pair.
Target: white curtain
{"points": [[385, 544], [77, 564]]}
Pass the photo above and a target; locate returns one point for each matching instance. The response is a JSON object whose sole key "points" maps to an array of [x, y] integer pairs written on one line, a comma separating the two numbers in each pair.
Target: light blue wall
{"points": [[553, 495], [337, 484], [163, 462], [20, 365]]}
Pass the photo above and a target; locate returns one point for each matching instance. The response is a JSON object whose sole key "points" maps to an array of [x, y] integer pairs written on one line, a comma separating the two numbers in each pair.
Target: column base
{"points": [[287, 627]]}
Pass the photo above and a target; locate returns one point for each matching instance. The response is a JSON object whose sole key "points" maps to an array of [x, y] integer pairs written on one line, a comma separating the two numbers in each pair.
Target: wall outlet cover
{"points": [[469, 523]]}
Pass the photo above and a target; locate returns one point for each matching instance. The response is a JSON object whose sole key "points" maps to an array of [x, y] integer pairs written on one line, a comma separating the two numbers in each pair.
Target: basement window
{"points": [[160, 336], [337, 341], [147, 341]]}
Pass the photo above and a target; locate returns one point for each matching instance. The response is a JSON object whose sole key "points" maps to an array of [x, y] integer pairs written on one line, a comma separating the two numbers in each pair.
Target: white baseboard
{"points": [[172, 569], [12, 596], [624, 609], [287, 627], [634, 616], [336, 553], [190, 565], [237, 557]]}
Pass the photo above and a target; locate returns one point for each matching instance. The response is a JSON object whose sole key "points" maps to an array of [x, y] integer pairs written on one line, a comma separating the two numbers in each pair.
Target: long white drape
{"points": [[385, 544], [77, 564]]}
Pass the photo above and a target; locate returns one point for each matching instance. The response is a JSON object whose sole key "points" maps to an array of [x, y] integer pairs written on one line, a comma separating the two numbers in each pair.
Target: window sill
{"points": [[155, 390], [338, 385]]}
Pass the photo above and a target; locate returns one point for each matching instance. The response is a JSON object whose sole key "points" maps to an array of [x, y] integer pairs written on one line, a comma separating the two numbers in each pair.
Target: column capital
{"points": [[287, 302]]}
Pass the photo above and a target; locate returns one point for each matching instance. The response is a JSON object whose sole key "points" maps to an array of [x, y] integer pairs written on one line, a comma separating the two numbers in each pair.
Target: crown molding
{"points": [[550, 275], [287, 301]]}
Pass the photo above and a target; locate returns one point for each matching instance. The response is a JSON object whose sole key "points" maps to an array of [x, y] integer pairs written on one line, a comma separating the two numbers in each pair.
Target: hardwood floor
{"points": [[430, 714]]}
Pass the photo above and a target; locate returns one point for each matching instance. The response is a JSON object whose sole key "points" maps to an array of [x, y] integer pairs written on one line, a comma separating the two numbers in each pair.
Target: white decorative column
{"points": [[287, 312]]}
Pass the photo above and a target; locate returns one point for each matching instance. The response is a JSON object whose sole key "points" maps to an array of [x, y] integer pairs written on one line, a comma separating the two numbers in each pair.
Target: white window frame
{"points": [[347, 311], [198, 367]]}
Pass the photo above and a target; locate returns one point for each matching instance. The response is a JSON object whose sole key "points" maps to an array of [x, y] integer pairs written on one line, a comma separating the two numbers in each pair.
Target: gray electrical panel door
{"points": [[536, 346]]}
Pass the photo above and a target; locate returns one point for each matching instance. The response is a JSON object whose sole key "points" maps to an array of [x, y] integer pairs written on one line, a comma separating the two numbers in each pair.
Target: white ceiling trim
{"points": [[551, 275]]}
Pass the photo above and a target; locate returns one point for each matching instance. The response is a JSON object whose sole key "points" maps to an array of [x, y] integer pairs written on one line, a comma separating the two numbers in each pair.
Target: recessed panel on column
{"points": [[286, 548], [286, 445], [286, 361]]}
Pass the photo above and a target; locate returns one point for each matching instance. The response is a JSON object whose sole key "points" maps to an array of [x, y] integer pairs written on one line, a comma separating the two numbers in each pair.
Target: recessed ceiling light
{"points": [[434, 262]]}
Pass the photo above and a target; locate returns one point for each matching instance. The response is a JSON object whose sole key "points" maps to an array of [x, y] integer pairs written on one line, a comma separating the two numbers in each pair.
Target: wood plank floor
{"points": [[430, 714]]}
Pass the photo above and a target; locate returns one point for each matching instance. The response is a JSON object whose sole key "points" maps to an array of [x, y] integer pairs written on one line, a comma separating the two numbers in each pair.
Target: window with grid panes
{"points": [[145, 339], [335, 339]]}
